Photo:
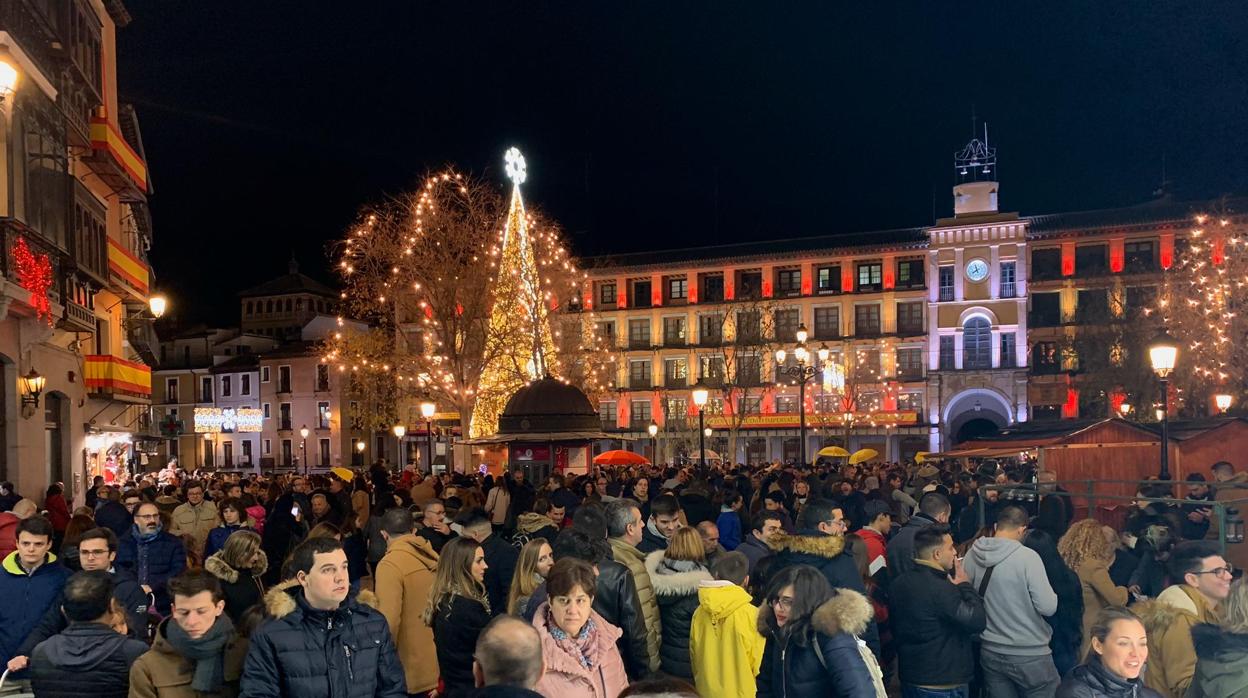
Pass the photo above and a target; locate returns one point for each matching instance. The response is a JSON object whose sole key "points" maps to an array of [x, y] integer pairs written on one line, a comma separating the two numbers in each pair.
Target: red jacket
{"points": [[876, 547], [58, 512], [8, 533]]}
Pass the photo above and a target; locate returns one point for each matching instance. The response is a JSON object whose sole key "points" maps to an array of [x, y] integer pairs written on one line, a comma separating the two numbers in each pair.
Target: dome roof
{"points": [[548, 405]]}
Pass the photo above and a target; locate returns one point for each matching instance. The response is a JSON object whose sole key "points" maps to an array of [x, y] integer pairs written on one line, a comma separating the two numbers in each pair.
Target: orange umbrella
{"points": [[619, 457]]}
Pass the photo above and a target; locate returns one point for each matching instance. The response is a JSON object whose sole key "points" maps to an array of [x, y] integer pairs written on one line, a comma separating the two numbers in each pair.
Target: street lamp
{"points": [[359, 448], [802, 372], [1125, 409], [700, 396], [654, 441], [399, 432], [303, 447], [157, 304], [427, 410], [8, 79], [1223, 401], [1163, 353]]}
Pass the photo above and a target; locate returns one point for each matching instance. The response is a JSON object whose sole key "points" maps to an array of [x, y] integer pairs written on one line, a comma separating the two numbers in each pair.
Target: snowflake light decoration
{"points": [[516, 169]]}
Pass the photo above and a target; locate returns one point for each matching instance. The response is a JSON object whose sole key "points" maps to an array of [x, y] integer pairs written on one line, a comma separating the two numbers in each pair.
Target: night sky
{"points": [[268, 124]]}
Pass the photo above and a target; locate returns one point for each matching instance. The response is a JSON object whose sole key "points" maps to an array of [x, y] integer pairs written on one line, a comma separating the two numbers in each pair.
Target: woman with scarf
{"points": [[458, 611], [578, 646], [238, 566], [195, 654], [675, 574]]}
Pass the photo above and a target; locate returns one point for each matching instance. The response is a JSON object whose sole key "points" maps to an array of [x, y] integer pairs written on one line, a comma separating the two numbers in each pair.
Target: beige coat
{"points": [[163, 673], [635, 561], [195, 521], [404, 577], [1099, 591], [1169, 619]]}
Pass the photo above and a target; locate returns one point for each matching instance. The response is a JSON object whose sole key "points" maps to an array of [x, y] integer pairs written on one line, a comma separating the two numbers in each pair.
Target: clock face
{"points": [[977, 270]]}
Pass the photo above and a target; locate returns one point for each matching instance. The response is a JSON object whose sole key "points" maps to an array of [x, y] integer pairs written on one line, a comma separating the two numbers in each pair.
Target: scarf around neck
{"points": [[142, 537], [584, 646], [208, 652]]}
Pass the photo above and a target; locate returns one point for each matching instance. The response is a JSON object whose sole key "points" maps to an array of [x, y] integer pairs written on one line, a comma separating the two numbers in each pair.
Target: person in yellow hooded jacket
{"points": [[725, 647]]}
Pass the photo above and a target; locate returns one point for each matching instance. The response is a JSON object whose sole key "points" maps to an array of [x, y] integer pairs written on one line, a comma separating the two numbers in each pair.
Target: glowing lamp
{"points": [[1223, 401], [32, 387], [1125, 409], [700, 396], [427, 409], [823, 353], [359, 446], [802, 333], [707, 432], [780, 356], [8, 79], [399, 430], [801, 355], [157, 304], [653, 429], [1162, 353], [303, 431]]}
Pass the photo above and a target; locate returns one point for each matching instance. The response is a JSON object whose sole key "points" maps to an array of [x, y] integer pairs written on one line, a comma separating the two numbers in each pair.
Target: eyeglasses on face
{"points": [[784, 603], [1227, 571]]}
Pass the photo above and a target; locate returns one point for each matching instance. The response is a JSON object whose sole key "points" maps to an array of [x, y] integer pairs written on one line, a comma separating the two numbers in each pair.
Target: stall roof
{"points": [[539, 436]]}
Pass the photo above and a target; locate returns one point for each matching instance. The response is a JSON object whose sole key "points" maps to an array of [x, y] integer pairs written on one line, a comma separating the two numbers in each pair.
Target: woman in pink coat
{"points": [[578, 646]]}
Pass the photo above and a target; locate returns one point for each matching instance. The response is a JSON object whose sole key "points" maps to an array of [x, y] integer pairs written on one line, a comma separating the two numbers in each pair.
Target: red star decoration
{"points": [[34, 273]]}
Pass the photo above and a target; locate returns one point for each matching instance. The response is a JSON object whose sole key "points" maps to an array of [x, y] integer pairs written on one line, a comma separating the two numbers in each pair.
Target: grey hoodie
{"points": [[1017, 599]]}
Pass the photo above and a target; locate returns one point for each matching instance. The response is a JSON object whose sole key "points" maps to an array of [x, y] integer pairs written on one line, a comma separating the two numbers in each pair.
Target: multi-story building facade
{"points": [[281, 307], [76, 231], [936, 334]]}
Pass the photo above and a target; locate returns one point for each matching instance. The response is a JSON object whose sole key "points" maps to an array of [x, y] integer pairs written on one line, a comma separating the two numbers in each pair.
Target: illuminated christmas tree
{"points": [[523, 347]]}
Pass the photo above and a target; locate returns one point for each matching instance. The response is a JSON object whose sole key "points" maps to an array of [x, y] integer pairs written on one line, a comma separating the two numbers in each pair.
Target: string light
{"points": [[34, 273]]}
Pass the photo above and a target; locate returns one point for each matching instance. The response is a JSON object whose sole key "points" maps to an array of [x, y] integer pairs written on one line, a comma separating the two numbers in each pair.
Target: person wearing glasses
{"points": [[1203, 582], [151, 554]]}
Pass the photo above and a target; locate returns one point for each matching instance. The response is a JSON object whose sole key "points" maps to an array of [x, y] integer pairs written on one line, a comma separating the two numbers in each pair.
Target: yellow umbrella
{"points": [[863, 455], [921, 456], [343, 474], [832, 452]]}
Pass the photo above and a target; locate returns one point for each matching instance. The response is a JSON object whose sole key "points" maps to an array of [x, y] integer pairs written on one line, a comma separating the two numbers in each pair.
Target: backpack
{"points": [[868, 658]]}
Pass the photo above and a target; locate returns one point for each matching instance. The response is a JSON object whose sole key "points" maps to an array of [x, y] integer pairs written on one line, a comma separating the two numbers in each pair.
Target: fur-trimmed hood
{"points": [[1159, 613], [669, 583], [217, 567], [1214, 643], [809, 543], [280, 602], [847, 612], [530, 522]]}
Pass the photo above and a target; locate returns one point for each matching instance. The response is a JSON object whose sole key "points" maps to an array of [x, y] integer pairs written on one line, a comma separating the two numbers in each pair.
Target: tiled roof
{"points": [[1163, 212], [290, 284]]}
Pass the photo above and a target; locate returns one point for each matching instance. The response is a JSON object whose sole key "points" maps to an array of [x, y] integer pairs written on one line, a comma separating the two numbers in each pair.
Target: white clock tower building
{"points": [[977, 319]]}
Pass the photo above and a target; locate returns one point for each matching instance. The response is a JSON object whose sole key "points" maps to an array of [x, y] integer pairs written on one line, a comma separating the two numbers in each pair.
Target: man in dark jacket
{"points": [[933, 508], [500, 558], [96, 550], [30, 581], [697, 506], [663, 524], [112, 514], [151, 554], [433, 526], [940, 613], [321, 642], [89, 658], [767, 527], [820, 543], [522, 497]]}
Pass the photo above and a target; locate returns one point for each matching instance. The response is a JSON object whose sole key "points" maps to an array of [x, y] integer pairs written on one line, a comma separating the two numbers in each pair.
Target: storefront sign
{"points": [[776, 421], [211, 420]]}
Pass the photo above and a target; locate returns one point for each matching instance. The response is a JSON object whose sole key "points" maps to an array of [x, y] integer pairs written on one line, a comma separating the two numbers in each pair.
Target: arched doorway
{"points": [[975, 428], [975, 412]]}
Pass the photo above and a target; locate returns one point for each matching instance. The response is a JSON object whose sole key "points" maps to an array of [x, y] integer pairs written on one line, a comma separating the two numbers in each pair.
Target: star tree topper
{"points": [[516, 170]]}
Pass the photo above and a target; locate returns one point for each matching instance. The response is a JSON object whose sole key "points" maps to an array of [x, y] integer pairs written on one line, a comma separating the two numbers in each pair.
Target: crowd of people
{"points": [[772, 581]]}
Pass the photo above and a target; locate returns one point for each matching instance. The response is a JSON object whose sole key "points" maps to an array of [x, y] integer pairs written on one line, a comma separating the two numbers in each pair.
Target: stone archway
{"points": [[975, 412]]}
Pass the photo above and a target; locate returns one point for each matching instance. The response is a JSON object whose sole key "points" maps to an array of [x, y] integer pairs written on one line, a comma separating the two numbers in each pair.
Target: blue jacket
{"points": [[25, 598], [165, 556], [217, 537], [729, 525]]}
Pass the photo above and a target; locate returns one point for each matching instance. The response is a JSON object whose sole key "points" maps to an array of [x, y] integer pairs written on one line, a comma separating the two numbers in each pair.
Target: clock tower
{"points": [[977, 327]]}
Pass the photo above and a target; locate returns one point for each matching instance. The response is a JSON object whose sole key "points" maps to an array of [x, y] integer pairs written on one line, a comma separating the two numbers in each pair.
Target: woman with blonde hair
{"points": [[675, 574], [1222, 650], [458, 611], [1115, 661], [238, 565], [1085, 550], [536, 559]]}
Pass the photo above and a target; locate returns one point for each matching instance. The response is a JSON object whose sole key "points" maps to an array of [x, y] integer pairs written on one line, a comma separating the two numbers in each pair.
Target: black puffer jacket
{"points": [[87, 659], [616, 600], [900, 552], [791, 667], [676, 590], [126, 591], [242, 588], [456, 625], [1092, 680], [936, 622], [828, 554], [310, 653]]}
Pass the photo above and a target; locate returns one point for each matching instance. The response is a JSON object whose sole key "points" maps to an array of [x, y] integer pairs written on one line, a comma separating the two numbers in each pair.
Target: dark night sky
{"points": [[267, 124]]}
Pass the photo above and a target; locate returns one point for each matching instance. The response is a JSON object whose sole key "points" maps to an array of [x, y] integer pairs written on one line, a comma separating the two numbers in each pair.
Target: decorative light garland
{"points": [[34, 273]]}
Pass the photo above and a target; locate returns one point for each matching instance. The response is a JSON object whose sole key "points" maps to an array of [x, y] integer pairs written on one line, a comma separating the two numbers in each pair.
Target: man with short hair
{"points": [[112, 514], [97, 548], [93, 494], [624, 533], [194, 518], [30, 582], [1014, 651], [89, 657], [774, 502], [433, 525], [507, 662], [151, 554], [500, 558], [877, 524], [764, 532], [941, 615], [725, 647], [934, 508], [710, 541], [322, 640], [1202, 582], [663, 524], [24, 509], [403, 579], [196, 651]]}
